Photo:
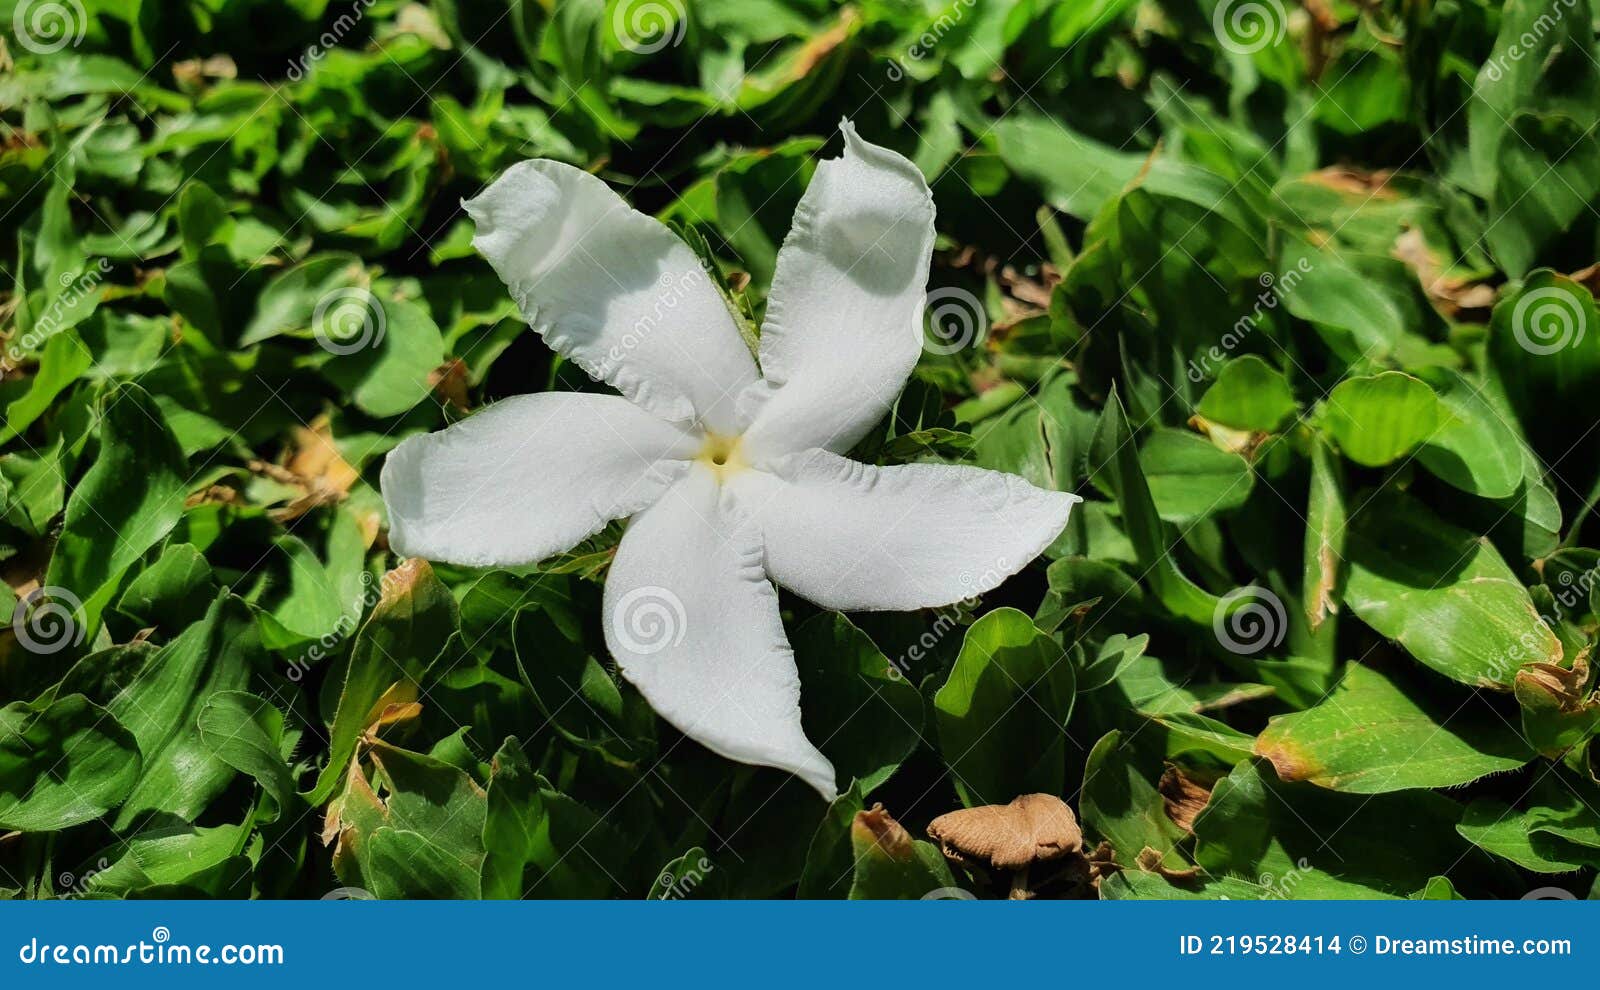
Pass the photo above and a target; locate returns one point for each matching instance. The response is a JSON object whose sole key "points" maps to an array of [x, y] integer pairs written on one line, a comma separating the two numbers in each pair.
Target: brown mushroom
{"points": [[1034, 828]]}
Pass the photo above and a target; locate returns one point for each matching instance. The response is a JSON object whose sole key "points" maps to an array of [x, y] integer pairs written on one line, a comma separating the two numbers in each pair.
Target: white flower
{"points": [[732, 475]]}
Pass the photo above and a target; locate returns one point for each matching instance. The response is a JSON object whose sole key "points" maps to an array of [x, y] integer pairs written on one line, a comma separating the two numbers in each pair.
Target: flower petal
{"points": [[693, 622], [850, 536], [615, 291], [843, 326], [528, 477]]}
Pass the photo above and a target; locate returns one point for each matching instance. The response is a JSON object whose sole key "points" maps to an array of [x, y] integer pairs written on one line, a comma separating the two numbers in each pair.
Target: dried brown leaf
{"points": [[1034, 828], [1183, 796]]}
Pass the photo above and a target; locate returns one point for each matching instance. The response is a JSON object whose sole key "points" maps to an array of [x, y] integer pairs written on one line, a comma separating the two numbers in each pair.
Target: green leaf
{"points": [[385, 356], [1556, 831], [539, 842], [1002, 712], [413, 619], [172, 592], [1190, 479], [1356, 320], [247, 734], [576, 692], [1387, 845], [324, 289], [62, 363], [863, 713], [1376, 421], [1249, 394], [197, 861], [1375, 734], [692, 875], [1121, 806], [63, 762], [1115, 463], [890, 864], [1544, 353], [431, 844], [1529, 120], [830, 859], [1443, 594], [130, 498], [1327, 517], [159, 693], [1473, 448]]}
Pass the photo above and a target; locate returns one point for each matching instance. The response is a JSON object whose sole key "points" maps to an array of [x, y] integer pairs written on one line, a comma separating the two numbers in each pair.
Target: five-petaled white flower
{"points": [[732, 475]]}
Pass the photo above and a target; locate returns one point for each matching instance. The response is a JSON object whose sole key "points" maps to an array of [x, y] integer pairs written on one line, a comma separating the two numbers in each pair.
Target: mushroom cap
{"points": [[1034, 828]]}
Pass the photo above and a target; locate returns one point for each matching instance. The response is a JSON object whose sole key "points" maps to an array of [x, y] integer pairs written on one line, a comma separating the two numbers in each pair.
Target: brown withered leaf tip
{"points": [[1183, 796], [1153, 861], [1034, 828], [876, 827], [1566, 688]]}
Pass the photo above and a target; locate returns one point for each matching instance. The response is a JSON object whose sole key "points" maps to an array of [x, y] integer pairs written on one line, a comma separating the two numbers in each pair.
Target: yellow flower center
{"points": [[722, 455]]}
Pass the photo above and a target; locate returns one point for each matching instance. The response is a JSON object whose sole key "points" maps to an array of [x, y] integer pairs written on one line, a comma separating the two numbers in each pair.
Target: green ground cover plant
{"points": [[1299, 297]]}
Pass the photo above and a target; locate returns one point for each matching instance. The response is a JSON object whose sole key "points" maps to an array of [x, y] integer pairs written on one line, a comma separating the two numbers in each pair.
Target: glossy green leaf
{"points": [[1376, 421], [1010, 692], [1443, 594], [1376, 733], [62, 763], [1249, 394]]}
